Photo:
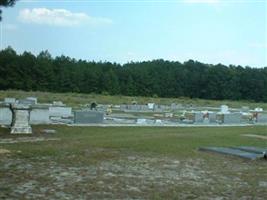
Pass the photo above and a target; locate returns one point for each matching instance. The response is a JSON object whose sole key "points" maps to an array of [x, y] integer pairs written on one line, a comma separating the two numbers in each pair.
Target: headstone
{"points": [[158, 121], [60, 111], [168, 115], [39, 115], [26, 101], [141, 121], [245, 109], [212, 117], [258, 110], [33, 99], [20, 121], [151, 106], [5, 115], [9, 100], [87, 117], [93, 106], [246, 117], [224, 109], [261, 118], [232, 118], [58, 103], [198, 117]]}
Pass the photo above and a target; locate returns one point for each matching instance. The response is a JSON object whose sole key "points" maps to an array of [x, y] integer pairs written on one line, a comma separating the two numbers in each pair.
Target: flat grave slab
{"points": [[233, 152], [252, 149]]}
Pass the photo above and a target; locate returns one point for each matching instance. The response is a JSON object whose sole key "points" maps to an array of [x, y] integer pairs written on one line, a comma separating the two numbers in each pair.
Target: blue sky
{"points": [[210, 31]]}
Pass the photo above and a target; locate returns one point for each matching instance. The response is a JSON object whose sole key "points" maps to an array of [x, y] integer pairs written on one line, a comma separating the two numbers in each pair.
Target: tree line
{"points": [[150, 78]]}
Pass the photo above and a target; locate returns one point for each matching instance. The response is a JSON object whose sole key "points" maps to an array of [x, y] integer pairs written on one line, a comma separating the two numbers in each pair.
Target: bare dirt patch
{"points": [[129, 176], [256, 136], [26, 139]]}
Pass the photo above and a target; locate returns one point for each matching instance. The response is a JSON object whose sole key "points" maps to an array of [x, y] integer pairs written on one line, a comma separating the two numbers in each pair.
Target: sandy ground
{"points": [[130, 176]]}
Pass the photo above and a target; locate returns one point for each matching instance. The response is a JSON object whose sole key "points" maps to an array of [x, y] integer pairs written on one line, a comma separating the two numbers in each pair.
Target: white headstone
{"points": [[21, 117], [33, 99], [151, 106], [224, 109], [9, 100]]}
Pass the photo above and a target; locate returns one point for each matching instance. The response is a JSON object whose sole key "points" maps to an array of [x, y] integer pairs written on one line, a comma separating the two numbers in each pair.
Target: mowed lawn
{"points": [[170, 141], [153, 162]]}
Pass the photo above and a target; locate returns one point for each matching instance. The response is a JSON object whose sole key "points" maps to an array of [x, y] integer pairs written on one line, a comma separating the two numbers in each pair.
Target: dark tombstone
{"points": [[93, 106]]}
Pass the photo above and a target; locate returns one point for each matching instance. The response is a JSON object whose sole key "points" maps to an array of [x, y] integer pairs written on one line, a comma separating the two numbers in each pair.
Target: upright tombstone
{"points": [[232, 118], [5, 114], [88, 117], [39, 114], [20, 119], [262, 118], [151, 106], [10, 100], [198, 117], [212, 117], [32, 99], [60, 111], [224, 109], [26, 101]]}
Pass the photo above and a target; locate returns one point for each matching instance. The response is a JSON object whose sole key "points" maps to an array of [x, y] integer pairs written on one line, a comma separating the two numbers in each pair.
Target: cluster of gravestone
{"points": [[221, 116], [20, 114], [225, 116]]}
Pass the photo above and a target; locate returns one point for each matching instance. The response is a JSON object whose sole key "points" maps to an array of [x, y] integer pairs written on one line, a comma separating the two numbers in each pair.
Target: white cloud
{"points": [[59, 17], [202, 1]]}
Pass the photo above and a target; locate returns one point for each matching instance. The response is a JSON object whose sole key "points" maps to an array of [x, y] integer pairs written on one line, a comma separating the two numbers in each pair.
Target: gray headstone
{"points": [[198, 117], [232, 118], [33, 99], [5, 115], [58, 103], [10, 100], [262, 118], [212, 117], [39, 115], [60, 111], [245, 109], [26, 101], [87, 117]]}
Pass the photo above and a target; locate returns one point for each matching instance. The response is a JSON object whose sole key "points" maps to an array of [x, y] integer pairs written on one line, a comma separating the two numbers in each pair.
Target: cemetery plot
{"points": [[130, 163]]}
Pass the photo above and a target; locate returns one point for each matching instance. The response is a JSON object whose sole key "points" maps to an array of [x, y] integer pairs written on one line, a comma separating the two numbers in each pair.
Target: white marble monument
{"points": [[21, 118]]}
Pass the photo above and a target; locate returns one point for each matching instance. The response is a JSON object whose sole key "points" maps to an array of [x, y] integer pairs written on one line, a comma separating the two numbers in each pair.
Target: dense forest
{"points": [[152, 78]]}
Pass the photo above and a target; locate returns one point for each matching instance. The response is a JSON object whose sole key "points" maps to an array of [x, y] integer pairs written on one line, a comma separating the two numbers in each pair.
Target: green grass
{"points": [[179, 142], [76, 99], [85, 151]]}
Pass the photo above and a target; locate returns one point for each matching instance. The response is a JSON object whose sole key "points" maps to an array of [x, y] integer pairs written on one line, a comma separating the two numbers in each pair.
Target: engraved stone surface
{"points": [[87, 117], [39, 115], [20, 121]]}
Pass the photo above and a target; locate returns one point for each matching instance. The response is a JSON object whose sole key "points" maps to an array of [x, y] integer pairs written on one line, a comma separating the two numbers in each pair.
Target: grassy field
{"points": [[132, 163], [76, 99]]}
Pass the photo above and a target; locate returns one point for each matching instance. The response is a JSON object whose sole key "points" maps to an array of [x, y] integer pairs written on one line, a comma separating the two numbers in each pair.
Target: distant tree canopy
{"points": [[6, 3], [152, 78]]}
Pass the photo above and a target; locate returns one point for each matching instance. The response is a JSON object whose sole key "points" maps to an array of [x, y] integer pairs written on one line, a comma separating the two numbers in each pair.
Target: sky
{"points": [[210, 31]]}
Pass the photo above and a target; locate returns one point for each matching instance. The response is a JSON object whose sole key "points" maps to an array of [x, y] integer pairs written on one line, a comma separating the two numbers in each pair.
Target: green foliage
{"points": [[6, 3], [157, 78]]}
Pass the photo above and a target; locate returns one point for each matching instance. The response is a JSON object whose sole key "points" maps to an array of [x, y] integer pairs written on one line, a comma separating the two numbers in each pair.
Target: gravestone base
{"points": [[21, 130]]}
